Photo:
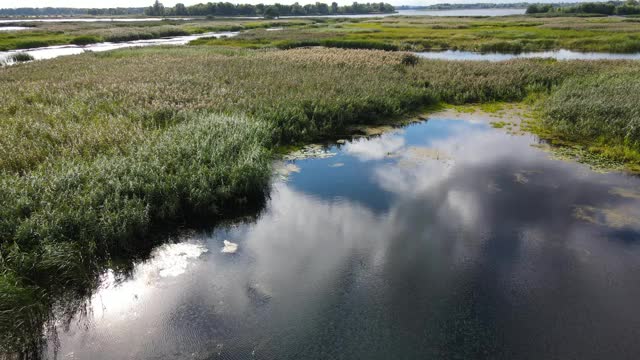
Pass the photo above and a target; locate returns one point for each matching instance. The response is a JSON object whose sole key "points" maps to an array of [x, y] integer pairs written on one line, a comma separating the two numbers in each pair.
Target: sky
{"points": [[141, 3]]}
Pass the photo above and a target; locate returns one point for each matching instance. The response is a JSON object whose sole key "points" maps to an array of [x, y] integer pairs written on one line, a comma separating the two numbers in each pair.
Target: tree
{"points": [[271, 12], [334, 7], [181, 9], [156, 10]]}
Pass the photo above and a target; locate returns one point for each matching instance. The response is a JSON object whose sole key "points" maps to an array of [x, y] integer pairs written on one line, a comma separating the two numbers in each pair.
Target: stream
{"points": [[51, 52]]}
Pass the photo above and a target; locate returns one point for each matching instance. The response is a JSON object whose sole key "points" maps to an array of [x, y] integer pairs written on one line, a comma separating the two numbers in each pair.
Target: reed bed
{"points": [[97, 150], [511, 34], [601, 111]]}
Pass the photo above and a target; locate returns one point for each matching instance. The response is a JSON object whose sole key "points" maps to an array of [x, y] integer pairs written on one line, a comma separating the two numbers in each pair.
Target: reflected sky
{"points": [[51, 52], [444, 239]]}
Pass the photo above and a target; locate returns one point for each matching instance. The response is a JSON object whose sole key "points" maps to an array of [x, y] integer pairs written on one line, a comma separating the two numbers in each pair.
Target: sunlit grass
{"points": [[510, 34]]}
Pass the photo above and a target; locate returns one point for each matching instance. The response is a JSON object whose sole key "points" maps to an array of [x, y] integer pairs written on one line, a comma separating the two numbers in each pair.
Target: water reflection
{"points": [[446, 239], [51, 52], [13, 28], [554, 54]]}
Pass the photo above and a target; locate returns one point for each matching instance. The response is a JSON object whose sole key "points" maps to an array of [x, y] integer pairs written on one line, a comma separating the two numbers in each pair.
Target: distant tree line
{"points": [[630, 7], [269, 11], [51, 11]]}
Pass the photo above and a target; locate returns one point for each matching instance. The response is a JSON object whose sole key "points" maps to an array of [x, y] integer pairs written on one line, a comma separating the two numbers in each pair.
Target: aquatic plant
{"points": [[599, 110], [86, 40]]}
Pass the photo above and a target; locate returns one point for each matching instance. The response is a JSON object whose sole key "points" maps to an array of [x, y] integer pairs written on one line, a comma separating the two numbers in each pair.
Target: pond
{"points": [[443, 239], [51, 52], [554, 54]]}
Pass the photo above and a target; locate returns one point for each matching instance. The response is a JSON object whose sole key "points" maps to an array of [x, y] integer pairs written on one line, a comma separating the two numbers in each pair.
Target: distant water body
{"points": [[460, 12], [463, 12]]}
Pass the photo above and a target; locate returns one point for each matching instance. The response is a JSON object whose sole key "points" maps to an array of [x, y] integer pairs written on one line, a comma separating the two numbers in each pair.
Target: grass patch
{"points": [[508, 34], [20, 57], [86, 40]]}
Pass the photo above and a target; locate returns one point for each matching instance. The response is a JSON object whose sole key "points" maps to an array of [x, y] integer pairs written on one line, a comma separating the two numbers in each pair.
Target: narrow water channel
{"points": [[443, 239], [51, 52]]}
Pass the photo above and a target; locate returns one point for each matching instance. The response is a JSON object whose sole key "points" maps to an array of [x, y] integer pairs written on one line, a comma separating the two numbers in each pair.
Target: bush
{"points": [[85, 40], [410, 59], [20, 57]]}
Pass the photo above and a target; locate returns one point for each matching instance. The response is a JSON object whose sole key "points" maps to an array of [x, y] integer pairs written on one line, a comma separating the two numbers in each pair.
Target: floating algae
{"points": [[616, 218], [282, 169], [309, 152], [415, 155], [625, 192]]}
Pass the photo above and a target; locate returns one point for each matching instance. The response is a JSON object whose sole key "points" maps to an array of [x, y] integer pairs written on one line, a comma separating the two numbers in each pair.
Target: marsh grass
{"points": [[509, 34], [98, 149], [43, 34], [61, 218], [599, 111]]}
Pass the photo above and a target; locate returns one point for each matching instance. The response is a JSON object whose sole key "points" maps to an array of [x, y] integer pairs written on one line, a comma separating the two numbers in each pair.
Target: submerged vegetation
{"points": [[100, 149]]}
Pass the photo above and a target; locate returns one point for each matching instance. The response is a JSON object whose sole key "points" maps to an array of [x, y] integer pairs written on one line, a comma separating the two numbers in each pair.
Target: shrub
{"points": [[85, 40], [410, 59], [20, 57]]}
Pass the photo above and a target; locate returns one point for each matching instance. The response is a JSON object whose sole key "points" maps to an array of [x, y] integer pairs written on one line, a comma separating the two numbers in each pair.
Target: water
{"points": [[461, 12], [446, 239], [51, 52], [13, 28], [555, 54], [464, 12]]}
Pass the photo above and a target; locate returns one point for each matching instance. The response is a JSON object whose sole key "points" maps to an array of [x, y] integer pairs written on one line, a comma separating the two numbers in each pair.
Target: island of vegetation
{"points": [[100, 152], [629, 7]]}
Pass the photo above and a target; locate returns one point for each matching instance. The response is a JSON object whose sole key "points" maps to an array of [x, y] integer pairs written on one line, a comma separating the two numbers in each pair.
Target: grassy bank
{"points": [[97, 150], [599, 113], [503, 34], [42, 34]]}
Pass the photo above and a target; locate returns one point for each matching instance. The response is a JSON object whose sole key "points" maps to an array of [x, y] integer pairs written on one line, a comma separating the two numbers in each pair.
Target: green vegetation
{"points": [[268, 11], [506, 34], [600, 112], [98, 151], [630, 7], [83, 33], [20, 57]]}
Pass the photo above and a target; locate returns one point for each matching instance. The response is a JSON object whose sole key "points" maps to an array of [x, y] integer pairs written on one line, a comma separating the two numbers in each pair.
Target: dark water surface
{"points": [[446, 239]]}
